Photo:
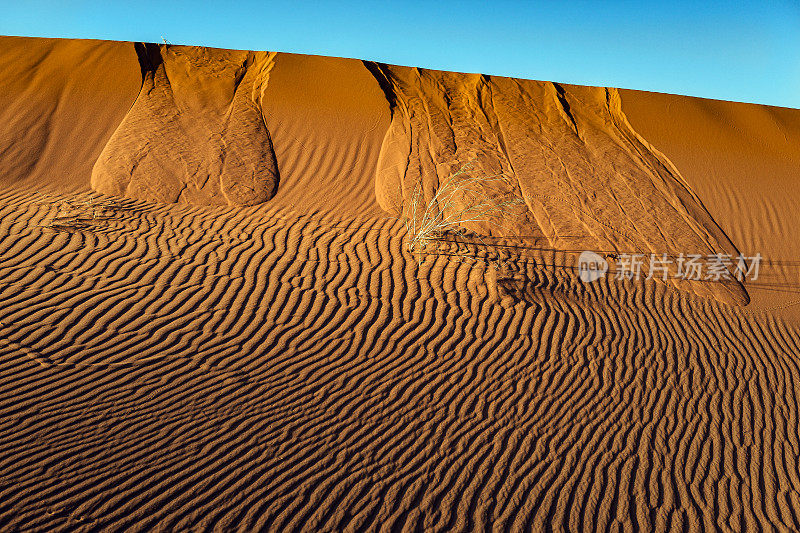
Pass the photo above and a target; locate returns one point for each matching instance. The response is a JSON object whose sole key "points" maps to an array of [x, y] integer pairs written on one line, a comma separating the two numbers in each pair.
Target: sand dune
{"points": [[173, 358], [181, 399], [743, 160], [195, 132], [327, 117]]}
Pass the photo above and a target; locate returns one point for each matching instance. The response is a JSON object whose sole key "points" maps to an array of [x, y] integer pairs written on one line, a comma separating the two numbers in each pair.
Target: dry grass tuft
{"points": [[460, 200]]}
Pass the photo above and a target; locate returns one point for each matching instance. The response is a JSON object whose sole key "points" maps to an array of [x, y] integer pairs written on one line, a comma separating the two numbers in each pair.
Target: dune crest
{"points": [[196, 132], [584, 177]]}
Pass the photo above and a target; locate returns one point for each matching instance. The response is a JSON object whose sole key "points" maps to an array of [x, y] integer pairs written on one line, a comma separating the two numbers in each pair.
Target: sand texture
{"points": [[212, 317], [585, 179], [196, 131]]}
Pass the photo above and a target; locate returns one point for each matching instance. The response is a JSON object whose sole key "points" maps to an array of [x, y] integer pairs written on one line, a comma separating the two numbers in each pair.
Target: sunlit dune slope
{"points": [[744, 161], [585, 178], [178, 368], [195, 132], [327, 117]]}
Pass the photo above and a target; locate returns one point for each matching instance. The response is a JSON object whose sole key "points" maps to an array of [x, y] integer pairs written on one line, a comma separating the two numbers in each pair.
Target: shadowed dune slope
{"points": [[174, 368], [60, 101]]}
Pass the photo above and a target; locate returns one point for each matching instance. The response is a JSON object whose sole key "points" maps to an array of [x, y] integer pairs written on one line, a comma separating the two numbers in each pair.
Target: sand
{"points": [[743, 160], [210, 317]]}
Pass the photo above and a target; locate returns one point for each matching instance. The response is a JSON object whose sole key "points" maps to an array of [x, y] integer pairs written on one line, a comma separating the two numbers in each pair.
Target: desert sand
{"points": [[220, 307]]}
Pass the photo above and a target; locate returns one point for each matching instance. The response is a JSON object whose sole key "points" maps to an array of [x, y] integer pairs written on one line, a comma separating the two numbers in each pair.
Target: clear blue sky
{"points": [[728, 50]]}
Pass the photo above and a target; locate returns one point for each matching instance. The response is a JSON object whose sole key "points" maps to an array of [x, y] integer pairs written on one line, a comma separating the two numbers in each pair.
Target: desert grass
{"points": [[460, 200]]}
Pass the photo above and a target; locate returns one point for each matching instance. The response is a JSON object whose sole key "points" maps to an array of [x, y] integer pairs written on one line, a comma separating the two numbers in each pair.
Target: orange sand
{"points": [[210, 317]]}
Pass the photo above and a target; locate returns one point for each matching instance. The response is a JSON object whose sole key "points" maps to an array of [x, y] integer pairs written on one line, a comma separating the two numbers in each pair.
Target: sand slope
{"points": [[588, 181], [743, 160], [173, 359], [327, 117], [60, 101], [195, 132]]}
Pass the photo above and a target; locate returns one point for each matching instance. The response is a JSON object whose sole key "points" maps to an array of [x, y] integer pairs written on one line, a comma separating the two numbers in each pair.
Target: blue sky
{"points": [[732, 51]]}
